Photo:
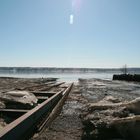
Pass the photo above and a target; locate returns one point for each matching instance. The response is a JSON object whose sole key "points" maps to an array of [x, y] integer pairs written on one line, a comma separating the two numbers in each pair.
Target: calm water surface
{"points": [[67, 77]]}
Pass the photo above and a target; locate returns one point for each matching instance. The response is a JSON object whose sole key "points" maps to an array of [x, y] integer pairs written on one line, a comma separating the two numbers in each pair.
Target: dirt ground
{"points": [[69, 124]]}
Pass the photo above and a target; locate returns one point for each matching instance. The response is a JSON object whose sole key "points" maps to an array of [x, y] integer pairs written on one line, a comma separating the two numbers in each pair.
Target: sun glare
{"points": [[71, 19]]}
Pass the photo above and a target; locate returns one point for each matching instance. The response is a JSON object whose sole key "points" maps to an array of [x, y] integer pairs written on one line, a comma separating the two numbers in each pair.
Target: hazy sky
{"points": [[70, 33]]}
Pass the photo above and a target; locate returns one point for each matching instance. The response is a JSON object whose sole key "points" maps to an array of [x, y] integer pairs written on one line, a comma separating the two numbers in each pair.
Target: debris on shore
{"points": [[95, 109], [113, 114], [107, 110], [18, 98], [106, 116], [16, 93]]}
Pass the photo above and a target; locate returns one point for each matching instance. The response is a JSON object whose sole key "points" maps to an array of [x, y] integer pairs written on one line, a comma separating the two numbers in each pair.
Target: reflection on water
{"points": [[67, 77]]}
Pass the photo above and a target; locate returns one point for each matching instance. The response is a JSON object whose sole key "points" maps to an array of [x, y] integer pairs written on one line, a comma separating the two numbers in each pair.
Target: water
{"points": [[67, 77]]}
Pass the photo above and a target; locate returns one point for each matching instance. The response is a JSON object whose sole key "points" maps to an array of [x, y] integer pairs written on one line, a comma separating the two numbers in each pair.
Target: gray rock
{"points": [[22, 97]]}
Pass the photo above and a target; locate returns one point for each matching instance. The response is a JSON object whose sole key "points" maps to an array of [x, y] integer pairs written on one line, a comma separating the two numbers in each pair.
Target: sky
{"points": [[70, 33]]}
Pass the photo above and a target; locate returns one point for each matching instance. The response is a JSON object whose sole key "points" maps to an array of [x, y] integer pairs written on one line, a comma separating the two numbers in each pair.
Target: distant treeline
{"points": [[62, 70], [51, 70]]}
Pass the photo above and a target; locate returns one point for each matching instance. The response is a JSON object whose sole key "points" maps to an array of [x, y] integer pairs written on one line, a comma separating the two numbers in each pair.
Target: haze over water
{"points": [[67, 77]]}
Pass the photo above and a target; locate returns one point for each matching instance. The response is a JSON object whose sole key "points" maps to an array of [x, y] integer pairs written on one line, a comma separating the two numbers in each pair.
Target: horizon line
{"points": [[68, 67]]}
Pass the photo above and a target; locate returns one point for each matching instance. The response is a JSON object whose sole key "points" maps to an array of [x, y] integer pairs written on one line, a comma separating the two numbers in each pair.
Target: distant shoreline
{"points": [[62, 70]]}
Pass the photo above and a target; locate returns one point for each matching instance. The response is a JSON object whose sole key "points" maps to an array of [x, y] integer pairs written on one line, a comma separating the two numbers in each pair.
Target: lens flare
{"points": [[75, 9], [71, 19], [76, 5]]}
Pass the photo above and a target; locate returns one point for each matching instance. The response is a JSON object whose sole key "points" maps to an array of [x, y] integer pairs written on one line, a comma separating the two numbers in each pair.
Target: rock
{"points": [[128, 127], [110, 116], [111, 99], [22, 97], [134, 105]]}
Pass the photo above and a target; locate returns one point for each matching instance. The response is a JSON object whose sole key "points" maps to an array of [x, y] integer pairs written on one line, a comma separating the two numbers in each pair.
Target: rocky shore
{"points": [[112, 111], [98, 110], [15, 93], [95, 109]]}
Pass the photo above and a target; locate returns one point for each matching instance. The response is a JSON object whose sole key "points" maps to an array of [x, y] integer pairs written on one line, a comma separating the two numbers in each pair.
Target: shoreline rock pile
{"points": [[113, 110]]}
